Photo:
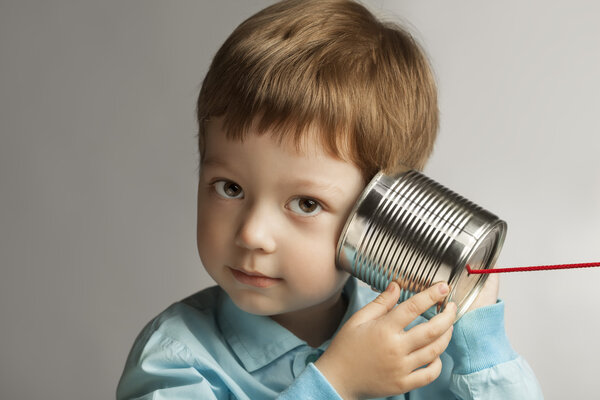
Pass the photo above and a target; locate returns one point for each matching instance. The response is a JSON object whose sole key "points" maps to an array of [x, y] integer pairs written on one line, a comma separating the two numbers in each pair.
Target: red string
{"points": [[535, 268]]}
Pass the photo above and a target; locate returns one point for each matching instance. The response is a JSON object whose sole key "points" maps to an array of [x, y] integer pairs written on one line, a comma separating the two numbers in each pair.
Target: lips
{"points": [[252, 278]]}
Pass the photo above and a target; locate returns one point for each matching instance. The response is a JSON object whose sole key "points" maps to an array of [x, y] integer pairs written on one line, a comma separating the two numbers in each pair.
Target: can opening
{"points": [[465, 286]]}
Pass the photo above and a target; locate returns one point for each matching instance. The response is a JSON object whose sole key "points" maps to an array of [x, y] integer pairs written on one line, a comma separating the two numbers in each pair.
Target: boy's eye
{"points": [[305, 206], [228, 189]]}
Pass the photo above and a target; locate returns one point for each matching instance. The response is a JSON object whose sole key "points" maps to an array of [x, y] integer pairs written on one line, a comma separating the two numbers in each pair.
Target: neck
{"points": [[315, 324]]}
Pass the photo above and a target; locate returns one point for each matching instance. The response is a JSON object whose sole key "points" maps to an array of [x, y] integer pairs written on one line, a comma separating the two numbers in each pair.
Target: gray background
{"points": [[98, 167]]}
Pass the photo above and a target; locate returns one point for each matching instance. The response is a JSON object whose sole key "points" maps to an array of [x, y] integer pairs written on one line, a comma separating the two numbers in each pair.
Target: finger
{"points": [[407, 311], [378, 307], [429, 353], [424, 376], [427, 332]]}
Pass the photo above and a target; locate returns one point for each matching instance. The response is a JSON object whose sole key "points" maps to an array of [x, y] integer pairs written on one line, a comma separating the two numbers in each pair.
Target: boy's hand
{"points": [[372, 355]]}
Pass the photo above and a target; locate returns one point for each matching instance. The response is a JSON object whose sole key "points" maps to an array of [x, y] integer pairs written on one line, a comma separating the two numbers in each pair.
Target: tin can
{"points": [[407, 228]]}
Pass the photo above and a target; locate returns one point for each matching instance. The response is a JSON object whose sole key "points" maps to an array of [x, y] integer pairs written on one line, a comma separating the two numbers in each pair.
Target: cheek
{"points": [[313, 258], [211, 234], [203, 242], [206, 246]]}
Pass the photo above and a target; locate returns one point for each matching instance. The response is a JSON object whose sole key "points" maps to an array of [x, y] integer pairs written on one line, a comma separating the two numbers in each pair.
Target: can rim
{"points": [[353, 215], [499, 228]]}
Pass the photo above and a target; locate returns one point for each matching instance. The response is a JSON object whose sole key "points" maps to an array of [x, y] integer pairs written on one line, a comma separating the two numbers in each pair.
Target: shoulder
{"points": [[201, 306], [185, 324], [204, 300], [179, 345]]}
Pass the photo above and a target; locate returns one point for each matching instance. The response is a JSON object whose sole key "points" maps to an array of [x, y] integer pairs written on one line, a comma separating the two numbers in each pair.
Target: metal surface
{"points": [[408, 228]]}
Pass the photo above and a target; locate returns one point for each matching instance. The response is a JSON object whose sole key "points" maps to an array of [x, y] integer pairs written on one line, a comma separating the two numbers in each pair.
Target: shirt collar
{"points": [[258, 340]]}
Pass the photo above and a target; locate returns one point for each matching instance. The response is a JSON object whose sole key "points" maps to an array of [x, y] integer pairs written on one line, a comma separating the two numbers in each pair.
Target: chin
{"points": [[254, 302]]}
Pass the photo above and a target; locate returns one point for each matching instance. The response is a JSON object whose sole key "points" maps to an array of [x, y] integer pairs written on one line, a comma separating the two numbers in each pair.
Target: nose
{"points": [[255, 230]]}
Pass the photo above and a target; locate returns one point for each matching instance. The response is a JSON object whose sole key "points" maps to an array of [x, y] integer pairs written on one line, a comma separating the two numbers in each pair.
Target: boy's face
{"points": [[269, 218]]}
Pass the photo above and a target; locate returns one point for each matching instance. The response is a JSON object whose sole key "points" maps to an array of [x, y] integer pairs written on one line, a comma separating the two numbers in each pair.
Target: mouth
{"points": [[255, 279]]}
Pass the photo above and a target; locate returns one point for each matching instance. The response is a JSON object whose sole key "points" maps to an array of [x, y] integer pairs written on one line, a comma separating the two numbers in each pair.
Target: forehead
{"points": [[264, 157], [310, 144]]}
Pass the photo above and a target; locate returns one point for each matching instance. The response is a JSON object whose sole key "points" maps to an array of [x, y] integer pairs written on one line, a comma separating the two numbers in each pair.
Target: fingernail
{"points": [[443, 288]]}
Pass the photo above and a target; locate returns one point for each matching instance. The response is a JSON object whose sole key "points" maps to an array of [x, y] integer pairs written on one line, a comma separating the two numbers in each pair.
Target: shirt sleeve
{"points": [[310, 385], [485, 364]]}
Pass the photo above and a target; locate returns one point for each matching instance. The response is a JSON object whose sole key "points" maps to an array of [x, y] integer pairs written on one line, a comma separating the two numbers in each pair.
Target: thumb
{"points": [[378, 307]]}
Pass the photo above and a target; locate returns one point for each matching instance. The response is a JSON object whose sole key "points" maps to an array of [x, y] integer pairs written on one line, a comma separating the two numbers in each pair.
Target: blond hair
{"points": [[327, 64]]}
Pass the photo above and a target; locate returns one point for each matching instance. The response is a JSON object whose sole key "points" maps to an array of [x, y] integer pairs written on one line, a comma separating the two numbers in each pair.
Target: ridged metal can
{"points": [[407, 228]]}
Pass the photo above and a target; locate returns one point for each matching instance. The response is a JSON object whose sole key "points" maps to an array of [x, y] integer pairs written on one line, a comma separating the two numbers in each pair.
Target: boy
{"points": [[302, 105]]}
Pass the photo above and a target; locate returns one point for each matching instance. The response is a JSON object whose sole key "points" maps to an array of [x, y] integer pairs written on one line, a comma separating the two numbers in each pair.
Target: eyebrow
{"points": [[298, 184], [307, 184], [213, 162]]}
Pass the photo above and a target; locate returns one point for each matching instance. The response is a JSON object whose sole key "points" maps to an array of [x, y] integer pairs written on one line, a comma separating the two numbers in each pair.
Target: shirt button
{"points": [[311, 358]]}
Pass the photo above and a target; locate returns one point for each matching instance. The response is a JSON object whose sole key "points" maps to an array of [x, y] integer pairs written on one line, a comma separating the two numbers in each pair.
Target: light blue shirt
{"points": [[205, 347]]}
